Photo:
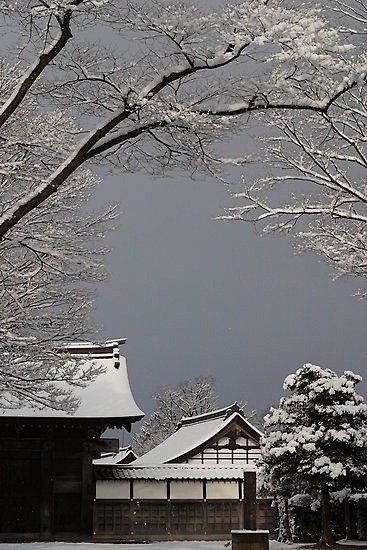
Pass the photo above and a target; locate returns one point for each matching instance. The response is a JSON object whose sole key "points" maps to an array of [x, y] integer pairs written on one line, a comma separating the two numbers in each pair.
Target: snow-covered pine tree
{"points": [[316, 440]]}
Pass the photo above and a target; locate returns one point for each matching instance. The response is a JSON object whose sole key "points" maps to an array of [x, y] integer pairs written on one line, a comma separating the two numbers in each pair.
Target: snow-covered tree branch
{"points": [[48, 265], [313, 182], [189, 398], [175, 83], [189, 72]]}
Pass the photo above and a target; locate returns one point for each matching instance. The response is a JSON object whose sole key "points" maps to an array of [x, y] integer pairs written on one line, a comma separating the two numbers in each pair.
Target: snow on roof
{"points": [[124, 456], [170, 471], [219, 413], [108, 396], [193, 432]]}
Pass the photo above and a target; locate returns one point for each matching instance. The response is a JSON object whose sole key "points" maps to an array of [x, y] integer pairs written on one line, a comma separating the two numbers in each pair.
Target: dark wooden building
{"points": [[47, 489]]}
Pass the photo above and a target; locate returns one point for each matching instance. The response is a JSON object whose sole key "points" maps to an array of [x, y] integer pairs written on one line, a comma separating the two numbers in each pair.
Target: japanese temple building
{"points": [[200, 483], [46, 456]]}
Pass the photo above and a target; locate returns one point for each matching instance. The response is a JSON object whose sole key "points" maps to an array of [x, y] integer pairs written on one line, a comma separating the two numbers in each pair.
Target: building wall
{"points": [[174, 520], [245, 451], [178, 509], [169, 489], [47, 486], [165, 520], [224, 491], [147, 490], [113, 489]]}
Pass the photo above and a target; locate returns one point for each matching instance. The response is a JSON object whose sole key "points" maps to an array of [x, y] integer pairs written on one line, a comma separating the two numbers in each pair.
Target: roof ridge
{"points": [[225, 412]]}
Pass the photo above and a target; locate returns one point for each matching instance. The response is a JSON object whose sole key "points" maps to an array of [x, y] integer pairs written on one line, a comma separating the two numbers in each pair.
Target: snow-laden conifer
{"points": [[316, 440]]}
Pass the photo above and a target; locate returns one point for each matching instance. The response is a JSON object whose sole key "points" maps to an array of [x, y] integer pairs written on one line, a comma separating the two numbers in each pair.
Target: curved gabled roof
{"points": [[108, 396], [193, 432]]}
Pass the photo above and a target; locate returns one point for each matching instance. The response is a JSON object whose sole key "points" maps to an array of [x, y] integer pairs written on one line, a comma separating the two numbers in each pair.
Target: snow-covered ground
{"points": [[178, 545]]}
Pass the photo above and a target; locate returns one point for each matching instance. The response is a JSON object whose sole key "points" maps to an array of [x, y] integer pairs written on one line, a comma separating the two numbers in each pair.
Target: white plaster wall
{"points": [[186, 489], [210, 453], [225, 455], [254, 455], [222, 490], [240, 457], [146, 490], [241, 461], [113, 489]]}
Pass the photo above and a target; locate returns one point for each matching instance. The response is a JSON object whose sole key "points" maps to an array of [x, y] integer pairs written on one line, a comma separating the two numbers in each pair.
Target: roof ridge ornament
{"points": [[224, 413], [235, 408]]}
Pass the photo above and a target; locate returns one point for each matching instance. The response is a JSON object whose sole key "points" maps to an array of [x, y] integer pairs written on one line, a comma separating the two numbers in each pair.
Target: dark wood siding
{"points": [[46, 478], [143, 519], [20, 482]]}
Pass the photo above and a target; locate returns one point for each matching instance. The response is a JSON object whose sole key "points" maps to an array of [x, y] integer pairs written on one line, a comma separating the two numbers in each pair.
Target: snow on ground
{"points": [[179, 545], [173, 545]]}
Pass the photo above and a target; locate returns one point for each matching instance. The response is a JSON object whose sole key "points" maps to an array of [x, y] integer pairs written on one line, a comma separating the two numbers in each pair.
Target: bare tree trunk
{"points": [[348, 526], [287, 525], [327, 537]]}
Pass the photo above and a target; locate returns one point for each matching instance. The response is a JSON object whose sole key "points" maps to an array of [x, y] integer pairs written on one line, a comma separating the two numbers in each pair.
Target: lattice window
{"points": [[187, 517], [112, 517], [150, 518], [222, 516]]}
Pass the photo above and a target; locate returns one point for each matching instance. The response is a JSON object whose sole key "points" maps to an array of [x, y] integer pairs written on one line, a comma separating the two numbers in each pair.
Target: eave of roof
{"points": [[108, 397], [170, 472]]}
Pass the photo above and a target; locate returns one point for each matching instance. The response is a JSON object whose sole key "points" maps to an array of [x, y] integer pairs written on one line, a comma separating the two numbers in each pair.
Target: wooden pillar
{"points": [[168, 507], [241, 514], [205, 509], [348, 524], [46, 496], [250, 540], [88, 488], [132, 508], [240, 504], [249, 517]]}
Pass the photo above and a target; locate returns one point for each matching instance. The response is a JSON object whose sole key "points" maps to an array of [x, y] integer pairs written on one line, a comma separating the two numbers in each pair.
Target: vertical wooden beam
{"points": [[46, 500], [88, 488], [240, 504], [205, 517], [168, 507], [348, 523], [249, 500], [131, 508]]}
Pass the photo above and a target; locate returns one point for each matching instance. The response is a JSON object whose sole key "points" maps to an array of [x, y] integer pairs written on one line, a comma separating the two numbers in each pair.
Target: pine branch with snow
{"points": [[316, 440]]}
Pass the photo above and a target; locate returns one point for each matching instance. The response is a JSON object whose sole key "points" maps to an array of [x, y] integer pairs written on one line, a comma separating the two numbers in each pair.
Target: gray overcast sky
{"points": [[196, 296]]}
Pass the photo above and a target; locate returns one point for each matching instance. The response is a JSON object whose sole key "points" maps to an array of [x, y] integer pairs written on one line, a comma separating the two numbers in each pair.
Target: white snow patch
{"points": [[172, 545]]}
